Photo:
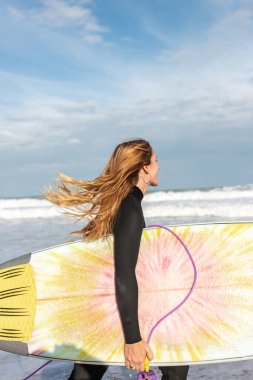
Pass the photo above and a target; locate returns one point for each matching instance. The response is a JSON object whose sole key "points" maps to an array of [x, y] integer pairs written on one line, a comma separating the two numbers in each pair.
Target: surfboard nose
{"points": [[17, 305]]}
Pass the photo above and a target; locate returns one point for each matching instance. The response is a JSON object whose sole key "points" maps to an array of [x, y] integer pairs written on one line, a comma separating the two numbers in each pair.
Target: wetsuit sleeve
{"points": [[127, 235]]}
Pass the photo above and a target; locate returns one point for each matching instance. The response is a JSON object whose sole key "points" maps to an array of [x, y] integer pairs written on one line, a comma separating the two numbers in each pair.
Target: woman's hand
{"points": [[136, 353]]}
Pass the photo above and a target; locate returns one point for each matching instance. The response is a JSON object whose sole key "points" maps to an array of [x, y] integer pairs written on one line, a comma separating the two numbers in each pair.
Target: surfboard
{"points": [[195, 298]]}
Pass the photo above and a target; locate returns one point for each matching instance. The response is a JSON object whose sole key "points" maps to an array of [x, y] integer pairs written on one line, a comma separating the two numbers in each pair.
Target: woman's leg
{"points": [[87, 372], [175, 372]]}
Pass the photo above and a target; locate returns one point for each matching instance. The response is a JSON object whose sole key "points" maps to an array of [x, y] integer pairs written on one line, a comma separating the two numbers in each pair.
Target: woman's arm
{"points": [[127, 235]]}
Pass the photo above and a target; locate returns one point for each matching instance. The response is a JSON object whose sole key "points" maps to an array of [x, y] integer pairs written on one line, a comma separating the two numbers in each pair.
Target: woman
{"points": [[115, 197]]}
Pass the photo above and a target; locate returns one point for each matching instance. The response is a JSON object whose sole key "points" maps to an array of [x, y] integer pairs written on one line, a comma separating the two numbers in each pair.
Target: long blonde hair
{"points": [[105, 193]]}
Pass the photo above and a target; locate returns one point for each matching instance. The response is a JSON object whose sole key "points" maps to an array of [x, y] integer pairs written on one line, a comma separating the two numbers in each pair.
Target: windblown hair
{"points": [[99, 200]]}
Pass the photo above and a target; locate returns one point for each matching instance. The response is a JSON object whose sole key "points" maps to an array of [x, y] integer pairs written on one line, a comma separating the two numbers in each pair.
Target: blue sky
{"points": [[79, 76]]}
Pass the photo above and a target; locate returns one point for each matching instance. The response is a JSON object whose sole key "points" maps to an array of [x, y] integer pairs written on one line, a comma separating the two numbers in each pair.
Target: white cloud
{"points": [[235, 22], [47, 120], [74, 141], [92, 38], [40, 167], [51, 121], [62, 14], [202, 87]]}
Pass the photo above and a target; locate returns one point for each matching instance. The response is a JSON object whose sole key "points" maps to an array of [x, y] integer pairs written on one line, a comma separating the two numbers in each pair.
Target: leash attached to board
{"points": [[149, 374]]}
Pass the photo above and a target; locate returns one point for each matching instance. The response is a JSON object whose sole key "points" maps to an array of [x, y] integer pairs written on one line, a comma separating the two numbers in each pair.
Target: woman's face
{"points": [[153, 169]]}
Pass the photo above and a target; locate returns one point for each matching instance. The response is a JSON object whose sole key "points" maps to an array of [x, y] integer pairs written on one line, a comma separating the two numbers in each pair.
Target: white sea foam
{"points": [[228, 210], [27, 208], [228, 192], [229, 201]]}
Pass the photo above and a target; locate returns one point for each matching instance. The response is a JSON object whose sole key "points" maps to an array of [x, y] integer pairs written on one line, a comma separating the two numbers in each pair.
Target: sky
{"points": [[77, 77]]}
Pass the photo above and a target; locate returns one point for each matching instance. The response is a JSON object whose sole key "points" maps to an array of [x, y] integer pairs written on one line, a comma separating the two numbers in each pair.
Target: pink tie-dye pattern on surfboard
{"points": [[77, 317]]}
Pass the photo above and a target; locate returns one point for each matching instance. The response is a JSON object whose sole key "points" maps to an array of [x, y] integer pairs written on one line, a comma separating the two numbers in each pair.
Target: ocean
{"points": [[28, 224]]}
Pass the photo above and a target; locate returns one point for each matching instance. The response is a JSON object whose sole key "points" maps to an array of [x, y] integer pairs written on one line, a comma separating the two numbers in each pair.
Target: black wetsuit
{"points": [[127, 235]]}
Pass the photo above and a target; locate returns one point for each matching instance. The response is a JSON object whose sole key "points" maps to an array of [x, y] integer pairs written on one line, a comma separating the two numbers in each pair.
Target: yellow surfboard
{"points": [[195, 302]]}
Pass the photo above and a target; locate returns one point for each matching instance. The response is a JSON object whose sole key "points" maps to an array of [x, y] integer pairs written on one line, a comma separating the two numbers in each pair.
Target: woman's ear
{"points": [[145, 170]]}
